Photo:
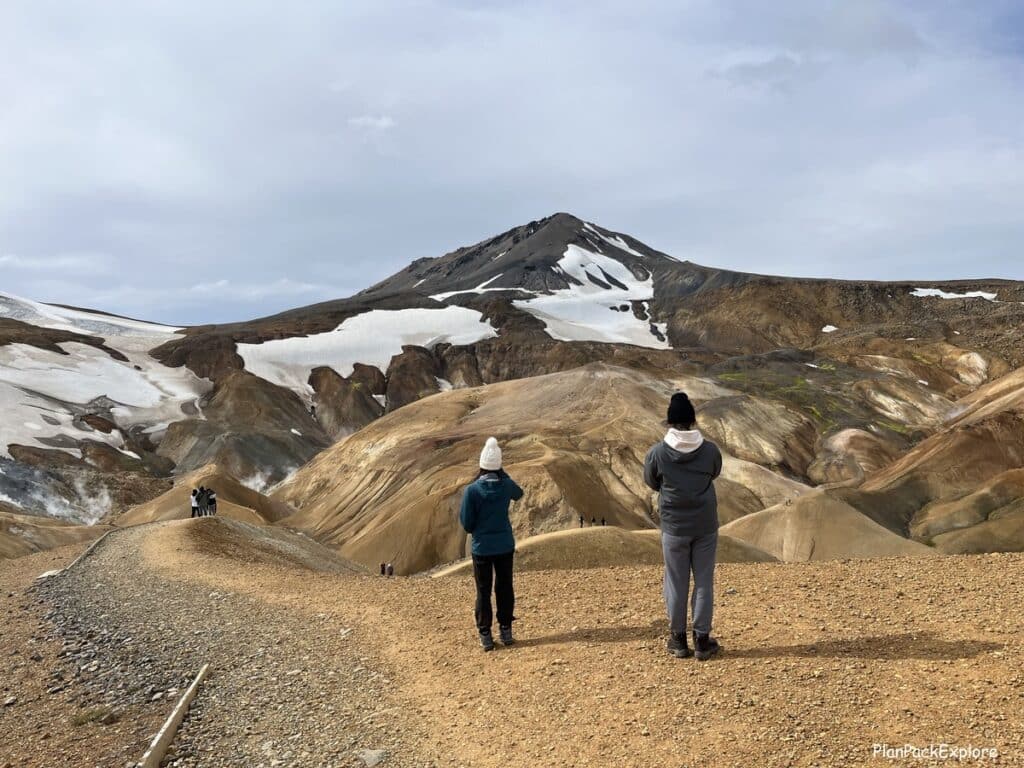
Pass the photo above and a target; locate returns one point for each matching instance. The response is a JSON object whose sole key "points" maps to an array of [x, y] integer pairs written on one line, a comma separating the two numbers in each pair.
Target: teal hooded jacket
{"points": [[484, 513]]}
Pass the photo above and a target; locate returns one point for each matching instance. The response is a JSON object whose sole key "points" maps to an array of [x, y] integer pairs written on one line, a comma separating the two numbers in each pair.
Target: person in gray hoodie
{"points": [[682, 468]]}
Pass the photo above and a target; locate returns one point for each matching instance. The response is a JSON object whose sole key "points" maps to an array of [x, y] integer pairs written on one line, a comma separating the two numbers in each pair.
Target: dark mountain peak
{"points": [[524, 258], [563, 219]]}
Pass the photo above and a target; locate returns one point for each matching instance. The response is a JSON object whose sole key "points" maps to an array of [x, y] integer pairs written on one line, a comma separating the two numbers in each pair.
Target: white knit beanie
{"points": [[490, 456]]}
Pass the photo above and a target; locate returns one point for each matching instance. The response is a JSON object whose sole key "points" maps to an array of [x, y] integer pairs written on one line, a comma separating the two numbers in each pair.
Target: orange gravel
{"points": [[821, 661]]}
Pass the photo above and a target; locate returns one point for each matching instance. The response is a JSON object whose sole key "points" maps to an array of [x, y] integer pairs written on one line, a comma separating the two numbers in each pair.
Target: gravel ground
{"points": [[53, 719], [822, 661], [286, 687], [314, 668]]}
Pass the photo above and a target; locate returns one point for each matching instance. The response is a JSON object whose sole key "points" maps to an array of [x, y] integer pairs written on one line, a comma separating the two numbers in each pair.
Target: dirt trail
{"points": [[289, 685], [822, 660]]}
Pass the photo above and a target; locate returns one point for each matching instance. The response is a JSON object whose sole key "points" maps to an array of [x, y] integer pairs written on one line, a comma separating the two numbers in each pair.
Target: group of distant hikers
{"points": [[204, 502], [682, 468]]}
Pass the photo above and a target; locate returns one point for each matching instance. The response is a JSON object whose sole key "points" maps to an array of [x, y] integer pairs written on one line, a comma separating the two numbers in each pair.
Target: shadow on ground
{"points": [[907, 645]]}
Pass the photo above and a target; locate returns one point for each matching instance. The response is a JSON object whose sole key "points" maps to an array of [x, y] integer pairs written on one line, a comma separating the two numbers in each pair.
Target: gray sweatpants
{"points": [[683, 555]]}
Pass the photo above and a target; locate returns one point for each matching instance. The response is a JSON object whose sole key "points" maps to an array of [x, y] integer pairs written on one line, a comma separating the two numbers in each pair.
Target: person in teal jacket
{"points": [[484, 515]]}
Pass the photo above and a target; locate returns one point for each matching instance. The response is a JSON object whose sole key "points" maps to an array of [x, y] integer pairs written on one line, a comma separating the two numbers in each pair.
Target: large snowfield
{"points": [[593, 312], [78, 320], [42, 392], [371, 338]]}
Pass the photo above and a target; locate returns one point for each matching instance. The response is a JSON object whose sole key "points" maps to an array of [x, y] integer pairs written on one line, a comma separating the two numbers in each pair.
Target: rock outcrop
{"points": [[250, 427], [342, 405]]}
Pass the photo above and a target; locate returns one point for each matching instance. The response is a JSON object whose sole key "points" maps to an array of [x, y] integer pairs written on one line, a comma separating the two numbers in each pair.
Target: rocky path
{"points": [[316, 666], [288, 684]]}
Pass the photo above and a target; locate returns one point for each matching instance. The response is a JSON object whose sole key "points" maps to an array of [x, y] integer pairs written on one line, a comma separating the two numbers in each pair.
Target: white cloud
{"points": [[372, 122], [68, 262], [339, 141], [232, 290]]}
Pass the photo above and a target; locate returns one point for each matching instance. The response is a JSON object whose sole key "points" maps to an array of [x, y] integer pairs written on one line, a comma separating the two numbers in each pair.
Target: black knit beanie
{"points": [[680, 410]]}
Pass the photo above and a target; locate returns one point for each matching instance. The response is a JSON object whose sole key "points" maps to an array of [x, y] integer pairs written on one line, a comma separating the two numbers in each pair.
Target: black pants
{"points": [[493, 571]]}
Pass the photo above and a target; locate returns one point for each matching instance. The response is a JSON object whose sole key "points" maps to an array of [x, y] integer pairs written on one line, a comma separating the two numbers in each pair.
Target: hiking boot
{"points": [[486, 640], [704, 646], [677, 645], [505, 631]]}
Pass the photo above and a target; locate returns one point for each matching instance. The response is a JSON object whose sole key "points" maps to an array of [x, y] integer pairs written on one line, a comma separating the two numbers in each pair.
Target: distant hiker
{"points": [[602, 521], [593, 521], [389, 569], [194, 501], [682, 468], [211, 502], [201, 498], [581, 521], [312, 410], [484, 515], [383, 569]]}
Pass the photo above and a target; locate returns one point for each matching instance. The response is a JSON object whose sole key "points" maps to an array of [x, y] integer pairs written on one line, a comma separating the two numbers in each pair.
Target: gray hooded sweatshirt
{"points": [[682, 468]]}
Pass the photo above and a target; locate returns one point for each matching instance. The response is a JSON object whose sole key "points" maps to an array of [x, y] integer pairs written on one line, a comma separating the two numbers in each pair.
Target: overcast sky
{"points": [[206, 161]]}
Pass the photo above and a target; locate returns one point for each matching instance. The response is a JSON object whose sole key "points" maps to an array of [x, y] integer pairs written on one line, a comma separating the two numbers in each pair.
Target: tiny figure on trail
{"points": [[312, 410], [484, 515], [593, 521], [682, 468], [201, 498], [581, 521], [383, 569], [211, 502], [603, 521], [194, 501], [389, 569]]}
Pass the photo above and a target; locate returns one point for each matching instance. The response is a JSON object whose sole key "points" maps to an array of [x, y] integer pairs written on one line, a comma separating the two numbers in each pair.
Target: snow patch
{"points": [[79, 320], [37, 383], [482, 288], [372, 338], [294, 431], [829, 329], [79, 377], [589, 312], [618, 242], [936, 293], [443, 384]]}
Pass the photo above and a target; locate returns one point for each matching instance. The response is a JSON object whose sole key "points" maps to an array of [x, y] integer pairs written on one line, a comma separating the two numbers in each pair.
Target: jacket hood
{"points": [[490, 483], [684, 441]]}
